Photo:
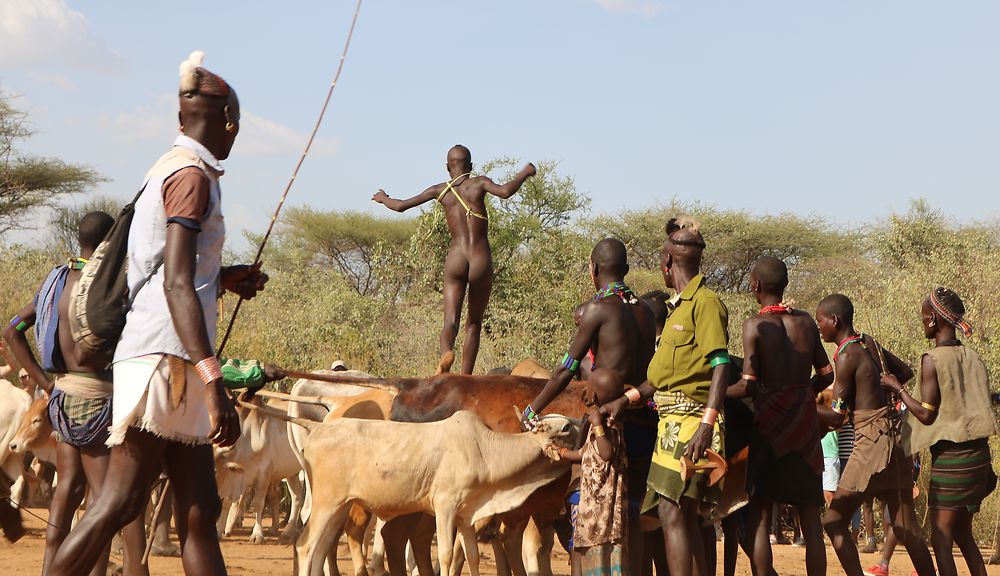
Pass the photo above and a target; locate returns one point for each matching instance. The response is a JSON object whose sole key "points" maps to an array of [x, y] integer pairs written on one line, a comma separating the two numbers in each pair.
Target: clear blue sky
{"points": [[841, 109]]}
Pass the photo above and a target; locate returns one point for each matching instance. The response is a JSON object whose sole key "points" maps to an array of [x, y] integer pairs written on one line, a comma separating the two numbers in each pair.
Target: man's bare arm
{"points": [[22, 351], [901, 370], [821, 363], [843, 391], [179, 260], [746, 387], [403, 205], [930, 391], [590, 323], [509, 189]]}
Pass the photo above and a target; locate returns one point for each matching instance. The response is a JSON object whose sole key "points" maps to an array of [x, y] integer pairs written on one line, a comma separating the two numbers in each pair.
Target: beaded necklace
{"points": [[776, 309], [855, 339], [77, 263], [616, 289]]}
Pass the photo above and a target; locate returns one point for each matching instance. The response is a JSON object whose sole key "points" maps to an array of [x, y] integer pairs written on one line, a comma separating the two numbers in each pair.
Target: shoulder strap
{"points": [[131, 205]]}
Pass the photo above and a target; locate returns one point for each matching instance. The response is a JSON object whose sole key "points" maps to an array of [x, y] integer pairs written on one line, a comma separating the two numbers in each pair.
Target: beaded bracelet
{"points": [[839, 406], [569, 363], [18, 324]]}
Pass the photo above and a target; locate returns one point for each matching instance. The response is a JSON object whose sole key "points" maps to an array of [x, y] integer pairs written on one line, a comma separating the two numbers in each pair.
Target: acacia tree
{"points": [[30, 182], [348, 241]]}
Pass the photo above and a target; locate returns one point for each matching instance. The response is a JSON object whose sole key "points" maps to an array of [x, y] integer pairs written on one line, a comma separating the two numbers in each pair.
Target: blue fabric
{"points": [[93, 432], [47, 320], [574, 505], [185, 222]]}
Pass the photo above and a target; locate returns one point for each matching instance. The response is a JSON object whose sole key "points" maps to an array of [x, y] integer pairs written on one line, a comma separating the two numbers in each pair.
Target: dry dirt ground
{"points": [[244, 559]]}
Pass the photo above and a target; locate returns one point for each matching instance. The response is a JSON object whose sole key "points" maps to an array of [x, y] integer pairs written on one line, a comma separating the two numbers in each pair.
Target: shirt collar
{"points": [[185, 141], [692, 287]]}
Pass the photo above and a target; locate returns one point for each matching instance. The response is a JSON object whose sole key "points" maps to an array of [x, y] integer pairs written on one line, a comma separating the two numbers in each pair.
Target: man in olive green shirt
{"points": [[687, 379]]}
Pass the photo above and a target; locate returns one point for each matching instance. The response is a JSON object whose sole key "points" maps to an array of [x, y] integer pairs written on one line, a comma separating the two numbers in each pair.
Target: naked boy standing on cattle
{"points": [[782, 347], [877, 466], [80, 399], [470, 261], [621, 332], [170, 402]]}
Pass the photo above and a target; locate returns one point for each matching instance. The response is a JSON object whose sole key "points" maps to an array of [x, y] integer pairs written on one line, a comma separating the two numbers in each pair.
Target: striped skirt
{"points": [[961, 475]]}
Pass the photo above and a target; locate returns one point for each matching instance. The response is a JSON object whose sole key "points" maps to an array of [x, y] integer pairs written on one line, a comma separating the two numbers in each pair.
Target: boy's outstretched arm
{"points": [[509, 189], [403, 205]]}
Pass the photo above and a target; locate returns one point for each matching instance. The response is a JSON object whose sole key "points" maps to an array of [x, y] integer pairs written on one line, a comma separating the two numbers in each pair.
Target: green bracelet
{"points": [[718, 357]]}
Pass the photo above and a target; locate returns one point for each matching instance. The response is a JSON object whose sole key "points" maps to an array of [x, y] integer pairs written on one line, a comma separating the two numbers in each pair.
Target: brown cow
{"points": [[492, 398]]}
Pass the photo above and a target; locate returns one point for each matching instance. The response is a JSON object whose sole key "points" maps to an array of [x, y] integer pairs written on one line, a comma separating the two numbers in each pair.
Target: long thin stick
{"points": [[295, 173], [153, 521]]}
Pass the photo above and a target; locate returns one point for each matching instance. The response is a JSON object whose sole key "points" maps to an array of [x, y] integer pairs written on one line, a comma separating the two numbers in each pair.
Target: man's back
{"points": [[625, 340], [67, 345], [785, 348], [465, 211]]}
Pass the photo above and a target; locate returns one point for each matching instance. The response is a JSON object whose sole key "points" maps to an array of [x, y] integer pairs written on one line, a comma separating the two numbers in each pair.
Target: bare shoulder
{"points": [[805, 319]]}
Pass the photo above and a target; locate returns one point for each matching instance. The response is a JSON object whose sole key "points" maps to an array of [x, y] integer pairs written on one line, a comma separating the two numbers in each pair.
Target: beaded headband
{"points": [[949, 316]]}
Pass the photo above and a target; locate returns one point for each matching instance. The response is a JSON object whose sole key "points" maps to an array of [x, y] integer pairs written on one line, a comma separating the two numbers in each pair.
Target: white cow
{"points": [[261, 458], [14, 403], [456, 469]]}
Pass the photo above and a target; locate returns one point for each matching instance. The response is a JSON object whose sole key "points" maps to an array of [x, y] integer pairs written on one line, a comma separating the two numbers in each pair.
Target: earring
{"points": [[230, 127], [932, 324]]}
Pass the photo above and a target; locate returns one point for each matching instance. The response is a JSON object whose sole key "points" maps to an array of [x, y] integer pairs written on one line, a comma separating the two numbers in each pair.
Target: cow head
{"points": [[35, 428], [556, 430]]}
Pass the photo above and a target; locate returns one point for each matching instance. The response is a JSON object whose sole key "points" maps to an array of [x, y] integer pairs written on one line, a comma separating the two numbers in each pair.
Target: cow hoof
{"points": [[256, 538], [288, 537]]}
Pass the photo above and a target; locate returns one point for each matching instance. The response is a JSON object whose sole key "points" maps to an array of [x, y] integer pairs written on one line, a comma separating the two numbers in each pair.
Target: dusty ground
{"points": [[243, 558]]}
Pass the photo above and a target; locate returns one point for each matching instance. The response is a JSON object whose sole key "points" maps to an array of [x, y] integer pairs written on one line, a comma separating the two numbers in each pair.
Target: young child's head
{"points": [[603, 387]]}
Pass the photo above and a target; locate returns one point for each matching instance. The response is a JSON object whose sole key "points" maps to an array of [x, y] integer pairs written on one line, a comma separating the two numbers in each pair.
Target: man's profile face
{"points": [[666, 261], [755, 284], [827, 326], [926, 317], [232, 112]]}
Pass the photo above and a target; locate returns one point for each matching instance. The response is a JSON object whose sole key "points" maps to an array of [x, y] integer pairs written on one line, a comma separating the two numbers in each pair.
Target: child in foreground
{"points": [[601, 523]]}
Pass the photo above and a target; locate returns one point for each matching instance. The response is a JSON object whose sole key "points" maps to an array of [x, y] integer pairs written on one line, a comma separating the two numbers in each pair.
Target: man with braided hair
{"points": [[954, 419], [687, 380], [877, 465], [170, 401], [781, 348], [470, 261]]}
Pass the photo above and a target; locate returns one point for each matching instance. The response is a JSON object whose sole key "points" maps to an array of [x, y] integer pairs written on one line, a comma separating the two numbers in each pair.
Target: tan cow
{"points": [[261, 458], [35, 433], [333, 401], [14, 403], [456, 469]]}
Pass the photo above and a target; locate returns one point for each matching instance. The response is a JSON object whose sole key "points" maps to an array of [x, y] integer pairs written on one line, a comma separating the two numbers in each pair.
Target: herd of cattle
{"points": [[412, 457]]}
